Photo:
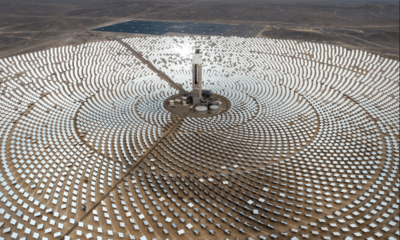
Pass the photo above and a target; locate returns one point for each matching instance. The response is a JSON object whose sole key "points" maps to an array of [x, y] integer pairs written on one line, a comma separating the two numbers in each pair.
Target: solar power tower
{"points": [[197, 76]]}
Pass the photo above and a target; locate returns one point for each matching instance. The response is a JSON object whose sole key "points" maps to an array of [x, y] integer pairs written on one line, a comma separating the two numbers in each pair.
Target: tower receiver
{"points": [[197, 78]]}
